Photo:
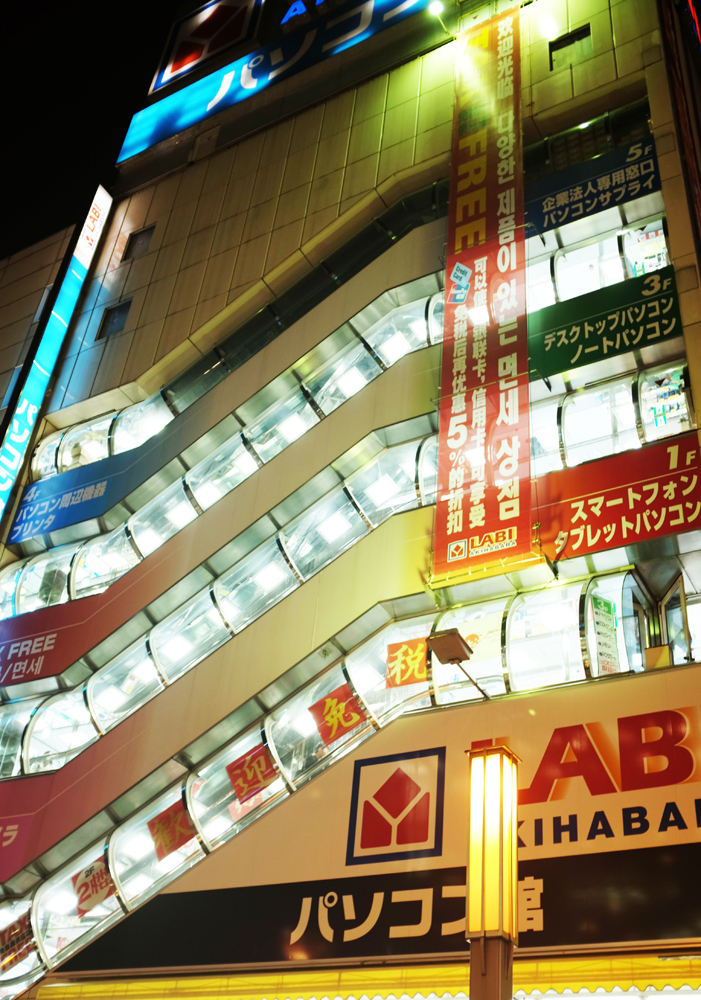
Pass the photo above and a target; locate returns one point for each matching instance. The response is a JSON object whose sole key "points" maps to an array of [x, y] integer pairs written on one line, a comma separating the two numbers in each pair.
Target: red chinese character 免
{"points": [[336, 714]]}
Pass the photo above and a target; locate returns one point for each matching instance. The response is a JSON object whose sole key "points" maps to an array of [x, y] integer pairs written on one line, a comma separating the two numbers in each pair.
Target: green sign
{"points": [[605, 628], [602, 324]]}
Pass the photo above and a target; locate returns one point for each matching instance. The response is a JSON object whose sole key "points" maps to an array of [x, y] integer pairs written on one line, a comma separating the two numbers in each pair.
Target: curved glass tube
{"points": [[9, 578], [44, 580], [255, 584], [386, 485], [606, 642], [138, 423], [325, 717], [401, 331], [44, 457], [153, 847], [342, 377], [60, 728], [159, 520], [545, 437], [188, 635], [75, 905], [84, 444], [663, 404], [599, 422], [237, 786], [101, 561], [543, 644], [21, 964], [390, 671], [321, 534], [214, 477], [123, 686], [14, 719], [480, 626], [280, 425]]}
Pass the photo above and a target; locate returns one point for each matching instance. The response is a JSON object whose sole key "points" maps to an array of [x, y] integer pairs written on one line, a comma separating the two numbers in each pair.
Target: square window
{"points": [[138, 243], [571, 48], [113, 320]]}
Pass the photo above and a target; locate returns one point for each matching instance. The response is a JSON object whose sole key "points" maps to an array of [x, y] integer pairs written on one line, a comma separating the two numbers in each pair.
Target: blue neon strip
{"points": [[346, 26], [18, 436]]}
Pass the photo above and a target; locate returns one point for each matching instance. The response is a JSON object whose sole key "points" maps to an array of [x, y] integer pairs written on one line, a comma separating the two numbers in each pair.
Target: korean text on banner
{"points": [[483, 513]]}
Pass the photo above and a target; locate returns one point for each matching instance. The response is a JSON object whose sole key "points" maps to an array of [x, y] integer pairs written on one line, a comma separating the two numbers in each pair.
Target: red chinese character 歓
{"points": [[336, 714], [406, 663], [251, 773], [170, 830]]}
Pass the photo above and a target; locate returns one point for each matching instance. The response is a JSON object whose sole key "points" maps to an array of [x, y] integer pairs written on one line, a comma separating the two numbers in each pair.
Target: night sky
{"points": [[72, 74]]}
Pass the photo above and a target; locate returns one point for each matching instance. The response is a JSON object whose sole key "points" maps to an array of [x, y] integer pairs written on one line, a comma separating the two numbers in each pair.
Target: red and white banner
{"points": [[16, 943], [93, 886], [337, 714], [251, 773], [170, 830], [621, 500], [483, 513]]}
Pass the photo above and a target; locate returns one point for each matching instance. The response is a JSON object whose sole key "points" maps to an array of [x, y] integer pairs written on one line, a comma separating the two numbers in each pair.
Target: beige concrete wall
{"points": [[23, 278]]}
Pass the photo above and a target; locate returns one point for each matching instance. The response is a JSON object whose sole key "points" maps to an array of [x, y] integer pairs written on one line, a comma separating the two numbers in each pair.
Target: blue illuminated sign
{"points": [[347, 25], [19, 432]]}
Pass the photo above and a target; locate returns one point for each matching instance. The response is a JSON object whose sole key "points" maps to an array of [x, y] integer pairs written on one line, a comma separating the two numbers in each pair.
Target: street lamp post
{"points": [[491, 925]]}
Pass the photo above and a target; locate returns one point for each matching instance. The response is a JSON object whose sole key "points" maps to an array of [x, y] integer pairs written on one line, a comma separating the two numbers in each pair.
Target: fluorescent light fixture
{"points": [[172, 861], [304, 723], [137, 885], [145, 671], [111, 698], [148, 540], [65, 902], [395, 348], [292, 428], [333, 527], [217, 828], [176, 648], [269, 577], [246, 464], [365, 677], [351, 382], [207, 494], [94, 448], [382, 489], [181, 514], [138, 847], [436, 8], [114, 560]]}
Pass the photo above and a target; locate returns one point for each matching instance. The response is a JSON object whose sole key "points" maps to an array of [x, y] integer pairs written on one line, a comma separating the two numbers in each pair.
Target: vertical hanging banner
{"points": [[483, 514], [36, 381]]}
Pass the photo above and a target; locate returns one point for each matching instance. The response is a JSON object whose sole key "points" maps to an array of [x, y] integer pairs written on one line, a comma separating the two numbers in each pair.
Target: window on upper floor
{"points": [[138, 243], [114, 319], [571, 48]]}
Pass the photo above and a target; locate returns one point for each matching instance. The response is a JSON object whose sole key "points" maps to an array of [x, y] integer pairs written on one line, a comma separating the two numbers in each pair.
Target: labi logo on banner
{"points": [[397, 807]]}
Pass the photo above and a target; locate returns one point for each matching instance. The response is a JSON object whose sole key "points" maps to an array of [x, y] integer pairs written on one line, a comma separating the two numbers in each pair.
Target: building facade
{"points": [[222, 569]]}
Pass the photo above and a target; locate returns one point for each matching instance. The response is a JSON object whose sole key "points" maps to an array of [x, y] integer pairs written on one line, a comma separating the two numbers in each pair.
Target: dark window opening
{"points": [[571, 48], [113, 320], [138, 243]]}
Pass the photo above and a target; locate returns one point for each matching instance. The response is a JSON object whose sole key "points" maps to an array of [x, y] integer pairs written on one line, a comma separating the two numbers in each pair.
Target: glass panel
{"points": [[545, 439], [636, 618], [539, 286], [139, 423], [599, 422], [428, 470], [44, 458], [8, 584], [217, 475], [61, 728], [402, 330], [188, 635], [159, 520], [123, 686], [663, 405], [342, 377], [20, 959], [238, 786], [387, 484], [255, 584], [605, 637], [280, 425], [84, 444], [646, 249], [45, 580], [14, 717], [693, 613], [296, 736], [436, 314], [543, 644], [389, 670], [587, 269], [326, 530], [153, 847], [101, 561], [76, 904], [676, 632], [480, 626]]}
